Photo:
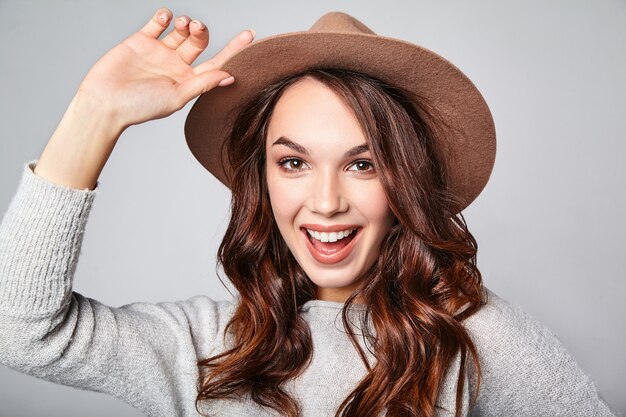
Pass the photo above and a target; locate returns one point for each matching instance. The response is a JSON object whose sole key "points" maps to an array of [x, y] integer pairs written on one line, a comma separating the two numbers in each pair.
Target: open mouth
{"points": [[331, 247]]}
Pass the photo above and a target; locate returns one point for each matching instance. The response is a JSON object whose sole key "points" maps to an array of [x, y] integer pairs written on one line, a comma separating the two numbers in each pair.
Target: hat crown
{"points": [[339, 41], [340, 22]]}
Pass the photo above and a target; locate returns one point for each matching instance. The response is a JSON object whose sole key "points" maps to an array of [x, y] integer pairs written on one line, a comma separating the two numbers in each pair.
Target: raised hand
{"points": [[144, 78], [141, 79]]}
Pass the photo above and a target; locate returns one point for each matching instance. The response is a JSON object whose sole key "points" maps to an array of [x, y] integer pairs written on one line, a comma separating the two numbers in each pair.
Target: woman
{"points": [[313, 152]]}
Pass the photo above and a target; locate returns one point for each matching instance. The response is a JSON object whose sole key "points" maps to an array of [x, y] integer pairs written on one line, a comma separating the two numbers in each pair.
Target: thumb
{"points": [[201, 83]]}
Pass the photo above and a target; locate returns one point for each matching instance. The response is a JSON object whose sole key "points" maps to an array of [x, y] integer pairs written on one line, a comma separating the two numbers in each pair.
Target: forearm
{"points": [[40, 240], [80, 146]]}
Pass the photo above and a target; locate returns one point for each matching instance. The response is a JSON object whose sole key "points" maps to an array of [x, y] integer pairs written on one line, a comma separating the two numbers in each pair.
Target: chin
{"points": [[330, 281], [334, 281]]}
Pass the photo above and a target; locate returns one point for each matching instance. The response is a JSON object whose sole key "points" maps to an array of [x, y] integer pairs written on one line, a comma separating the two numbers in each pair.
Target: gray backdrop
{"points": [[550, 224]]}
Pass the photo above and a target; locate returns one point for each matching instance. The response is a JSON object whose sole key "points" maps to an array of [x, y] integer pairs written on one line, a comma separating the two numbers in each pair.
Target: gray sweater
{"points": [[145, 354]]}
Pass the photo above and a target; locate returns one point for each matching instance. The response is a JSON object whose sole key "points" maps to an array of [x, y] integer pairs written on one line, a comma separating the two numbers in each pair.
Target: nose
{"points": [[328, 196]]}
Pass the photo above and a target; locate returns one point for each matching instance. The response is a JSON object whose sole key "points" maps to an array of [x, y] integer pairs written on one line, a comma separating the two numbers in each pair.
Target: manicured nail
{"points": [[164, 17], [198, 24], [227, 81]]}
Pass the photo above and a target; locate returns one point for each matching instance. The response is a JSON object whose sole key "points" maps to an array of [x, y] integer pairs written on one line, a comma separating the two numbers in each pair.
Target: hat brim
{"points": [[469, 144]]}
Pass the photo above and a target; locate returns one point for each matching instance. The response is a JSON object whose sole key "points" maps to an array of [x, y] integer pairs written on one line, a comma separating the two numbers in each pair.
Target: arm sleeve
{"points": [[144, 354], [526, 371]]}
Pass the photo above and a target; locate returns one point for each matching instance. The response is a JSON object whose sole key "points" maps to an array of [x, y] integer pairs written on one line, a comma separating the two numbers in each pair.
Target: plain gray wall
{"points": [[550, 225]]}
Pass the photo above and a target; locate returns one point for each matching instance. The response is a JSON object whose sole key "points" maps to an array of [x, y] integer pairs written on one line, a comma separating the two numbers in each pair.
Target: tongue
{"points": [[329, 248]]}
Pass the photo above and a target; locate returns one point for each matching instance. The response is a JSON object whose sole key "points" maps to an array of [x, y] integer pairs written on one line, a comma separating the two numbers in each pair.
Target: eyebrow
{"points": [[357, 150]]}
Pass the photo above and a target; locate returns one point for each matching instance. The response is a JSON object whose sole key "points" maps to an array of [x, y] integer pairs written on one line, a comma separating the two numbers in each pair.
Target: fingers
{"points": [[179, 34], [201, 83], [197, 41], [159, 22], [236, 44]]}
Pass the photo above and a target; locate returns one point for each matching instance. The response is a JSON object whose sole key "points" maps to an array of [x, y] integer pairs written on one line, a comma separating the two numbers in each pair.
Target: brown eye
{"points": [[291, 164], [362, 167], [294, 163]]}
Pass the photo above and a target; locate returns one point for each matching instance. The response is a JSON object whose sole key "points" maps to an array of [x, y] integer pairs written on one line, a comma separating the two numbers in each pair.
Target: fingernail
{"points": [[227, 81], [164, 17], [198, 24], [252, 32], [183, 21]]}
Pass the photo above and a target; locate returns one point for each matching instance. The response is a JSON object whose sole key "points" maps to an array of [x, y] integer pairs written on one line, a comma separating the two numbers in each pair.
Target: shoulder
{"points": [[207, 319], [200, 320], [524, 366], [510, 342], [499, 317], [206, 311]]}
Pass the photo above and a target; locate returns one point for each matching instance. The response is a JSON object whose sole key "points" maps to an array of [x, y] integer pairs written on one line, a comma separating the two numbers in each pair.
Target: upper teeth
{"points": [[331, 236]]}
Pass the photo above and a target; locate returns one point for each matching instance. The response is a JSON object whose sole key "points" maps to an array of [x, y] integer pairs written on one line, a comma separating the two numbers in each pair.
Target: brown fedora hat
{"points": [[338, 40]]}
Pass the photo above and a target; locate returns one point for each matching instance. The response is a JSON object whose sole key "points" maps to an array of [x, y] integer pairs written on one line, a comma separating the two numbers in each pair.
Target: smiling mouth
{"points": [[331, 248]]}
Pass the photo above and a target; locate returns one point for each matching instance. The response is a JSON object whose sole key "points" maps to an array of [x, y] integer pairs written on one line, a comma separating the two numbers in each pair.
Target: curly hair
{"points": [[417, 293]]}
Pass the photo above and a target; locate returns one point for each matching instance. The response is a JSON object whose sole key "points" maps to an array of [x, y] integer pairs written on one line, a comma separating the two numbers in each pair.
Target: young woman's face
{"points": [[322, 181]]}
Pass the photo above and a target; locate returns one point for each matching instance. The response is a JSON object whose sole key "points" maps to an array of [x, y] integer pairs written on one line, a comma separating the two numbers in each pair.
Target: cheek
{"points": [[373, 205], [283, 198]]}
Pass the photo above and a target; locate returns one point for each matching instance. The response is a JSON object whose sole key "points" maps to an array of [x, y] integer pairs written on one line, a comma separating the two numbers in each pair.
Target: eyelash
{"points": [[293, 170]]}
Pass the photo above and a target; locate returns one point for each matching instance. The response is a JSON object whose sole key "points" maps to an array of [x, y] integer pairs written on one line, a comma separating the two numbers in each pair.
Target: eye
{"points": [[362, 167], [291, 164]]}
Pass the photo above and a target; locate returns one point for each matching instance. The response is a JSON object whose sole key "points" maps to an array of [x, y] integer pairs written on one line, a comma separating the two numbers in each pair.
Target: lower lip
{"points": [[335, 257]]}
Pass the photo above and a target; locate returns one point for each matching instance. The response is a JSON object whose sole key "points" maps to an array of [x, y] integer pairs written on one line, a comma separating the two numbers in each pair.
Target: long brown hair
{"points": [[422, 286]]}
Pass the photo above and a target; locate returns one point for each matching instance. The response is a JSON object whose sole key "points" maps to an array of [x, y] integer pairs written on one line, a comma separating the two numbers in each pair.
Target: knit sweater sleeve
{"points": [[526, 371], [144, 354]]}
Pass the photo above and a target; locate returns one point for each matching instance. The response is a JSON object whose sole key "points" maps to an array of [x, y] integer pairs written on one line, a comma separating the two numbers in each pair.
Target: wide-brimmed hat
{"points": [[338, 40]]}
